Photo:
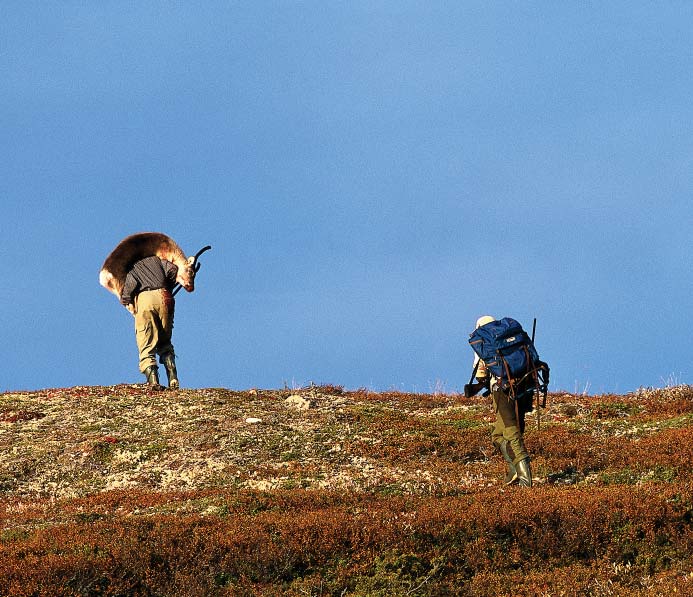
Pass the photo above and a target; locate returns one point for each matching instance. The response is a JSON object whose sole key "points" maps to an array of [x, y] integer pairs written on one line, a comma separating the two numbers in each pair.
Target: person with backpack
{"points": [[507, 365]]}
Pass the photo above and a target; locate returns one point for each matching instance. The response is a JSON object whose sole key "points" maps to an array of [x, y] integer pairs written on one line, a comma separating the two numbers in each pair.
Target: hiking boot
{"points": [[524, 472], [152, 374], [511, 475], [169, 361]]}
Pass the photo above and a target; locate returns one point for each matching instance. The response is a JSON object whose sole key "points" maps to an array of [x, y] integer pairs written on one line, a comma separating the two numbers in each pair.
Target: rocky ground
{"points": [[72, 442], [83, 458]]}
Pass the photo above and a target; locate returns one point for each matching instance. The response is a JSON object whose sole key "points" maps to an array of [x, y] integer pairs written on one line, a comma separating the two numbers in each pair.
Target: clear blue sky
{"points": [[372, 176]]}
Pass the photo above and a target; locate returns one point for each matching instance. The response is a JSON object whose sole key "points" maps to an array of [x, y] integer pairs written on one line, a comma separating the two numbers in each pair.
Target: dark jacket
{"points": [[150, 273]]}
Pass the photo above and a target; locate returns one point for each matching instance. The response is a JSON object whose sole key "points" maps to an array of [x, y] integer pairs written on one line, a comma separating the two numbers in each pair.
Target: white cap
{"points": [[483, 320]]}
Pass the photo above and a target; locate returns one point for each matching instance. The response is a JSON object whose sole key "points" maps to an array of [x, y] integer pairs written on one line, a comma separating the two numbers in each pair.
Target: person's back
{"points": [[150, 273]]}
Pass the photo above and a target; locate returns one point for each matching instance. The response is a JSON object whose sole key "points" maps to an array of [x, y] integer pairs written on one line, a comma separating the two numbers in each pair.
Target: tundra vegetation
{"points": [[123, 491]]}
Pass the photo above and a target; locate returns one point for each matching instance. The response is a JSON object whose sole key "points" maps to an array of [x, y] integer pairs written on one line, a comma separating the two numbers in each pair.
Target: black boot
{"points": [[511, 475], [524, 472], [168, 360], [152, 373]]}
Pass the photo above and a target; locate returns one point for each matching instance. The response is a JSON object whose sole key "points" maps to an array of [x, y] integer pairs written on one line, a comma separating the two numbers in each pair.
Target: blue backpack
{"points": [[511, 358]]}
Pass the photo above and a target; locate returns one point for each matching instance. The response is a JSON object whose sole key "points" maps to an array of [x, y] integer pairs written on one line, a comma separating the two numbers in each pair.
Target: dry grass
{"points": [[121, 491]]}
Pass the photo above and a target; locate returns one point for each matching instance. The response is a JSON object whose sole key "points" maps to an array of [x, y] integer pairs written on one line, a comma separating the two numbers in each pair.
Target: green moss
{"points": [[465, 424], [626, 476], [13, 535]]}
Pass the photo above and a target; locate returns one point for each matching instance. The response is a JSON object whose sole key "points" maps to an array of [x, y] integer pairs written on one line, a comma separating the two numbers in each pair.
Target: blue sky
{"points": [[372, 176]]}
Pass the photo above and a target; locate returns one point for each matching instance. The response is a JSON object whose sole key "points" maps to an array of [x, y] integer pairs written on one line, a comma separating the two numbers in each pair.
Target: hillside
{"points": [[321, 491]]}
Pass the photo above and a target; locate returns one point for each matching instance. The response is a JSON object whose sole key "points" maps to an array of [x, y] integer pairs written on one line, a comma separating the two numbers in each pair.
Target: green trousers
{"points": [[507, 426], [153, 325]]}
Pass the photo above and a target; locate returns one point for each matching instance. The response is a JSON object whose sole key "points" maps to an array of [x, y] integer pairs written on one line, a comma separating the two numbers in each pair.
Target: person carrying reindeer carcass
{"points": [[143, 272]]}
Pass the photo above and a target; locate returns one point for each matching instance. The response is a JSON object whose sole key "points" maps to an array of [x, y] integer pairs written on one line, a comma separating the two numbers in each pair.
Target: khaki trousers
{"points": [[507, 427], [153, 325]]}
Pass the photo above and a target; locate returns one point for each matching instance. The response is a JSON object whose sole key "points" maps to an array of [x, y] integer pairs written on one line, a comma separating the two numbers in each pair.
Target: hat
{"points": [[484, 320]]}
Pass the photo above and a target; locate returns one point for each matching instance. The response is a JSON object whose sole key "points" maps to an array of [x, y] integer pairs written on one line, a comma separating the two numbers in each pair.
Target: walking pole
{"points": [[534, 330]]}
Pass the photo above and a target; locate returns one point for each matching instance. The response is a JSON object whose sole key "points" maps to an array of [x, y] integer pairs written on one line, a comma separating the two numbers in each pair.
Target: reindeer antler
{"points": [[196, 266]]}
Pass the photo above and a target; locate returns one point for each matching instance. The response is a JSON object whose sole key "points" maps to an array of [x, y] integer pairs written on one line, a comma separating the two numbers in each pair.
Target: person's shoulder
{"points": [[149, 260], [145, 262]]}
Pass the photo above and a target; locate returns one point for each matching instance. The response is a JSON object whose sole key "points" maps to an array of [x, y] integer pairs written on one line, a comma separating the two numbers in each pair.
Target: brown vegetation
{"points": [[121, 491]]}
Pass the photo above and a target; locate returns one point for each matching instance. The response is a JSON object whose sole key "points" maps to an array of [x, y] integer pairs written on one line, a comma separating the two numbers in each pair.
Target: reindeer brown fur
{"points": [[141, 245]]}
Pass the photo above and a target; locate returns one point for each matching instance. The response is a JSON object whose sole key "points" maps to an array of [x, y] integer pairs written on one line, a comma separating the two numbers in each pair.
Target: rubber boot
{"points": [[169, 361], [511, 475], [524, 472], [152, 373]]}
